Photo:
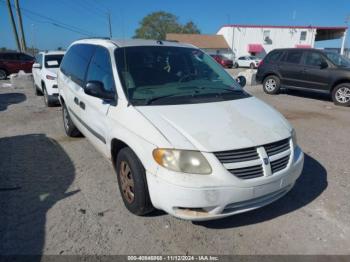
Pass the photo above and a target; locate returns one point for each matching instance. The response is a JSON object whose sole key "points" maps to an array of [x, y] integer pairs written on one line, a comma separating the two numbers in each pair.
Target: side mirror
{"points": [[323, 65], [241, 80], [95, 88], [37, 65]]}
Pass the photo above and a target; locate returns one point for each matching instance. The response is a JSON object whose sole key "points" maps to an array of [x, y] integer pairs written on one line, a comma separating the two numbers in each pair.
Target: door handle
{"points": [[76, 100], [82, 105]]}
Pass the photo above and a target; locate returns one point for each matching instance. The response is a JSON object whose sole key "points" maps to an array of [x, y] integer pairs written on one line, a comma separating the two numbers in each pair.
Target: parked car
{"points": [[45, 75], [225, 62], [12, 62], [183, 136], [309, 70], [247, 61]]}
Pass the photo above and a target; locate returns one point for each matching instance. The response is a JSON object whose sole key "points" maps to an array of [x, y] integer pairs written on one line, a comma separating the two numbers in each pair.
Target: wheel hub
{"points": [[126, 182], [270, 84], [343, 95]]}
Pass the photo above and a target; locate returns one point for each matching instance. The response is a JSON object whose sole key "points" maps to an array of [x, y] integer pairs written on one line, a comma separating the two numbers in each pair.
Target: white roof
{"points": [[53, 52], [131, 42]]}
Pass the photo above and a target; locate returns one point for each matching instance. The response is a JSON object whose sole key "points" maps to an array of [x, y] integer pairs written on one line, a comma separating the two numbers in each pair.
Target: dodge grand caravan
{"points": [[181, 133]]}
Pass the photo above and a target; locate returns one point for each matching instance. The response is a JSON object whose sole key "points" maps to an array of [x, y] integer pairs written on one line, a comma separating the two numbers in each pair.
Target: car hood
{"points": [[54, 71], [218, 126]]}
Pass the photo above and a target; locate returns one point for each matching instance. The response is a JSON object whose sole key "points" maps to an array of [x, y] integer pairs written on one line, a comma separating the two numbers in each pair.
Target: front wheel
{"points": [[271, 85], [132, 183], [341, 95]]}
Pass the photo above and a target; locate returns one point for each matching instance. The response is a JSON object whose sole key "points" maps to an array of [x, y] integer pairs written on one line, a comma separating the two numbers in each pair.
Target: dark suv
{"points": [[306, 69], [12, 62]]}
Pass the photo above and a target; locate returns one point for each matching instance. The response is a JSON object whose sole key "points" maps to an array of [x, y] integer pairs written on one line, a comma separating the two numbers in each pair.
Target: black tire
{"points": [[252, 66], [69, 127], [49, 101], [37, 91], [3, 74], [139, 202], [272, 85], [235, 65], [340, 94]]}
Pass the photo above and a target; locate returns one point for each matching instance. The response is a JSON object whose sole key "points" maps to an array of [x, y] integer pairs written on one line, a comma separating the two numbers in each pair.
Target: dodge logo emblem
{"points": [[266, 161]]}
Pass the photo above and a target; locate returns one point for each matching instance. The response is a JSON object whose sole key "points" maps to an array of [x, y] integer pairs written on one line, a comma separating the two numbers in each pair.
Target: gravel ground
{"points": [[59, 195]]}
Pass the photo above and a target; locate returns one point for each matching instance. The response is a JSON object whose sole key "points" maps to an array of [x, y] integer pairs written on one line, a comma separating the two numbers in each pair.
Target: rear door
{"points": [[291, 68], [316, 71], [94, 110], [10, 61]]}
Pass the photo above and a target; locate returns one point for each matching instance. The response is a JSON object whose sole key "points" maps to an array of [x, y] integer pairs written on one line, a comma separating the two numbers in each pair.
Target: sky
{"points": [[89, 17]]}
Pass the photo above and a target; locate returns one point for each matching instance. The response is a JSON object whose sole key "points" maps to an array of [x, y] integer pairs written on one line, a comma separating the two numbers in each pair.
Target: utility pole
{"points": [[110, 24], [347, 19], [12, 20], [20, 24]]}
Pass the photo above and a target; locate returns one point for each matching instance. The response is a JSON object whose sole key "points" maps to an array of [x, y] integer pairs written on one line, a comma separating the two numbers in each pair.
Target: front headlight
{"points": [[185, 161], [294, 139]]}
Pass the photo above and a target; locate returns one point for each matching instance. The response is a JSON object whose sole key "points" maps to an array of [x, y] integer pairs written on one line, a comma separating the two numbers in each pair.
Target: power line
{"points": [[80, 8], [56, 22]]}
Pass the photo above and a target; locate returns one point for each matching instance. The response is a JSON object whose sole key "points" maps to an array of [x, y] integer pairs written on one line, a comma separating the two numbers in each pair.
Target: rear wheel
{"points": [[3, 74], [132, 183], [235, 65], [252, 66], [271, 85], [341, 95], [69, 127]]}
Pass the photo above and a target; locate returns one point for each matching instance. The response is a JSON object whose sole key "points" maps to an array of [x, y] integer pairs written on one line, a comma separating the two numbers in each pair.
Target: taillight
{"points": [[261, 63], [50, 77]]}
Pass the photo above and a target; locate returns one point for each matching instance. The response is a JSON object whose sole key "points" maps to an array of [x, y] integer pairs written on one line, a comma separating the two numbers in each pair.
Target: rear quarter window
{"points": [[76, 61]]}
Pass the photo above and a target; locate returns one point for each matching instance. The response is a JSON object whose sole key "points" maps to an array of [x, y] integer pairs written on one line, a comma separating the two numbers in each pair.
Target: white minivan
{"points": [[182, 134]]}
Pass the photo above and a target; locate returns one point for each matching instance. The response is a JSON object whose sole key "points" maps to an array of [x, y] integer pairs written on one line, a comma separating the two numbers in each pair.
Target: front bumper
{"points": [[207, 203]]}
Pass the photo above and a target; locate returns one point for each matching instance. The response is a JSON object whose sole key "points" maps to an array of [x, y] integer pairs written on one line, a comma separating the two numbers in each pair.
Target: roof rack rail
{"points": [[96, 37]]}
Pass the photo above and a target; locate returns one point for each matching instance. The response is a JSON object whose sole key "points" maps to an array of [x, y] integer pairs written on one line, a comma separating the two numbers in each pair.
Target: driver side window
{"points": [[100, 69]]}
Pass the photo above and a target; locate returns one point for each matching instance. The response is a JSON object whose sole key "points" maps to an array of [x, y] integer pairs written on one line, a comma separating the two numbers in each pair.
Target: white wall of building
{"points": [[239, 38]]}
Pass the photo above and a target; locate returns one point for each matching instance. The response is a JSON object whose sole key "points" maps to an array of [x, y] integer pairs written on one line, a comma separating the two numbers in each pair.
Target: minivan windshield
{"points": [[160, 75], [338, 59]]}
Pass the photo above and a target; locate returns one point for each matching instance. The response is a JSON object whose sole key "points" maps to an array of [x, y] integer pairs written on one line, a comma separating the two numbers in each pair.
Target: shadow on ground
{"points": [[311, 183], [9, 99], [35, 173]]}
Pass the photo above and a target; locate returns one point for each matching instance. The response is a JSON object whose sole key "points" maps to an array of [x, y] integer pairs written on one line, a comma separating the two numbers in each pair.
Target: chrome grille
{"points": [[239, 155], [279, 164], [277, 147], [248, 172]]}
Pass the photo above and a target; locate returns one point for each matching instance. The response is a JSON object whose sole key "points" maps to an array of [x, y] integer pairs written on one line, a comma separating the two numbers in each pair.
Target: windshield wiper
{"points": [[220, 89], [152, 99]]}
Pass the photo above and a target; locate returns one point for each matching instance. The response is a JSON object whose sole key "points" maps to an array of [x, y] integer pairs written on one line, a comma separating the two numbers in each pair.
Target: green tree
{"points": [[156, 25], [190, 28]]}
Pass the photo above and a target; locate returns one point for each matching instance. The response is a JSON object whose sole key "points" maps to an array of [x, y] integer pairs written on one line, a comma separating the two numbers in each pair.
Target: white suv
{"points": [[182, 134], [45, 75]]}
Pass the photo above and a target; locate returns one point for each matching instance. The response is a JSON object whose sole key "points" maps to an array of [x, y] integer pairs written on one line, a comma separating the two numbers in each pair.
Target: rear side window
{"points": [[273, 57], [100, 69], [10, 56], [25, 57], [293, 57], [76, 61]]}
